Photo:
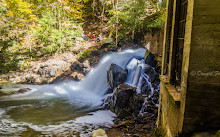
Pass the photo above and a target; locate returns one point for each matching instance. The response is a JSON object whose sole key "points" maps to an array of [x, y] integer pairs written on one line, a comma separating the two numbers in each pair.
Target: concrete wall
{"points": [[196, 106], [169, 111], [153, 40], [172, 103], [202, 108]]}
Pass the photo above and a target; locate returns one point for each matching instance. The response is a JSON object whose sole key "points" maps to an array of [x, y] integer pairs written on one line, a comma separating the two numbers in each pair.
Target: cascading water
{"points": [[60, 109], [138, 78]]}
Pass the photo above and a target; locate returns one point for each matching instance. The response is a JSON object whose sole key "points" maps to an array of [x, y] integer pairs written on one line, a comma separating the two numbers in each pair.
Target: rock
{"points": [[145, 89], [23, 90], [155, 99], [77, 66], [107, 41], [150, 60], [107, 102], [150, 72], [122, 99], [52, 68], [28, 78], [109, 91], [116, 75], [86, 64], [124, 123], [137, 103], [99, 133]]}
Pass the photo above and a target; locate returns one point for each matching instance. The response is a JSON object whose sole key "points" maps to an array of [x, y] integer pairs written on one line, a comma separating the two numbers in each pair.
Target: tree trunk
{"points": [[93, 10], [116, 35], [103, 10], [29, 45]]}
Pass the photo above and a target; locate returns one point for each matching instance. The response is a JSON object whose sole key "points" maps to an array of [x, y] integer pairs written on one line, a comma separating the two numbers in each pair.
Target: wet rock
{"points": [[109, 90], [150, 72], [137, 103], [150, 59], [116, 75], [80, 67], [23, 90], [122, 100], [145, 89], [155, 99], [99, 133], [107, 102]]}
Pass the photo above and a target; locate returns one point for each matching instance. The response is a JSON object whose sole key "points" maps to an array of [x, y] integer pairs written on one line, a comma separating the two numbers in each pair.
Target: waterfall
{"points": [[91, 89], [135, 73]]}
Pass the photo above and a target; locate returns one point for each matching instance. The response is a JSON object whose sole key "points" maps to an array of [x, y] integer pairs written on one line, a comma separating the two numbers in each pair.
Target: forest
{"points": [[32, 29]]}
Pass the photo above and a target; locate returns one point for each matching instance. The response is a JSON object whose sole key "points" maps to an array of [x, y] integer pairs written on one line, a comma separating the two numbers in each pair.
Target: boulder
{"points": [[116, 75], [77, 66], [99, 133], [138, 101], [23, 90], [52, 68], [150, 60], [122, 100]]}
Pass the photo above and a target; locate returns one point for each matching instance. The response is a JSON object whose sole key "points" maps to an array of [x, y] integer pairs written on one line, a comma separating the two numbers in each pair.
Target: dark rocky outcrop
{"points": [[122, 100], [150, 60], [136, 111], [150, 71], [116, 75], [80, 67]]}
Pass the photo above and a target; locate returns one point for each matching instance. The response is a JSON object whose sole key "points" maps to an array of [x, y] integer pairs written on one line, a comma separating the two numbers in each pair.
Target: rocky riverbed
{"points": [[136, 111]]}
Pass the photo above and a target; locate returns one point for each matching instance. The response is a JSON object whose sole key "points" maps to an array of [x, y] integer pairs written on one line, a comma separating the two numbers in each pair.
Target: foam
{"points": [[98, 117]]}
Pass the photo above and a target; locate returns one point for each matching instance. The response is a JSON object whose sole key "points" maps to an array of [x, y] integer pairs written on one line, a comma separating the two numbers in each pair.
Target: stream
{"points": [[68, 108]]}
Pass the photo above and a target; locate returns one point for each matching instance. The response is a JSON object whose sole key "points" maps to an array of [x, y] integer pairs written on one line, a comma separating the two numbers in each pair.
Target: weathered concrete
{"points": [[193, 106], [154, 41]]}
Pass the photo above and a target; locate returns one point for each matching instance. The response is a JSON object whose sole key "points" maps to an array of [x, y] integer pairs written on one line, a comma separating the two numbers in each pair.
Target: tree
{"points": [[130, 16]]}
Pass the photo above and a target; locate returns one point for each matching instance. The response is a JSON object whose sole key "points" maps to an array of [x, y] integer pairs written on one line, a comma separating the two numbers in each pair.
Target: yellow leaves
{"points": [[10, 14], [19, 9]]}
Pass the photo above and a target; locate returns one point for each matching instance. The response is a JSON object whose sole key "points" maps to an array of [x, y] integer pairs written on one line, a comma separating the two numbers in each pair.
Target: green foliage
{"points": [[51, 38], [135, 16], [86, 54], [156, 20], [36, 26]]}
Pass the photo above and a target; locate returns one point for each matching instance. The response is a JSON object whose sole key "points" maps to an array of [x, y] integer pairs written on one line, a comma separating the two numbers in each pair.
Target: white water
{"points": [[91, 89], [135, 73], [85, 95]]}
